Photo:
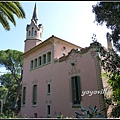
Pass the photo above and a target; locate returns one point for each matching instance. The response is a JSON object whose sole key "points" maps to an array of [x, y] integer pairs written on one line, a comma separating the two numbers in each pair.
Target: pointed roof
{"points": [[35, 16]]}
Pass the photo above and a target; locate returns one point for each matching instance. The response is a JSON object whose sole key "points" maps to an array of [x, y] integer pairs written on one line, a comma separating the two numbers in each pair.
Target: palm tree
{"points": [[7, 11]]}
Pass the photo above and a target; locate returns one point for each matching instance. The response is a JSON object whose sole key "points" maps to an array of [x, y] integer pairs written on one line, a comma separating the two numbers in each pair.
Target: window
{"points": [[39, 61], [35, 62], [48, 110], [29, 33], [76, 91], [48, 89], [49, 57], [35, 33], [35, 115], [34, 94], [32, 31], [44, 58], [64, 48], [24, 96], [31, 66]]}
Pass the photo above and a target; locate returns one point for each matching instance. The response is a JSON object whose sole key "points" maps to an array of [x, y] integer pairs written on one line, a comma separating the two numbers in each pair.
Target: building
{"points": [[58, 76]]}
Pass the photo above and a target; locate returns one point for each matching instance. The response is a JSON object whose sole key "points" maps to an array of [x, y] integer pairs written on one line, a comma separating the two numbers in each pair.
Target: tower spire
{"points": [[35, 16]]}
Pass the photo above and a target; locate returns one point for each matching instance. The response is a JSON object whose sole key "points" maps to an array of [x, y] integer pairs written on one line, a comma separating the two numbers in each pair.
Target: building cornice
{"points": [[49, 40]]}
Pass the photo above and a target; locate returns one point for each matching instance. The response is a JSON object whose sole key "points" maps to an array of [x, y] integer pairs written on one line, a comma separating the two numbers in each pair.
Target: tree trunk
{"points": [[13, 106]]}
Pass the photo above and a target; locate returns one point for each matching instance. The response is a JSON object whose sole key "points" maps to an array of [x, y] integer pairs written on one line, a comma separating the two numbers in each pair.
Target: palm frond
{"points": [[20, 9], [4, 22], [12, 7], [7, 13]]}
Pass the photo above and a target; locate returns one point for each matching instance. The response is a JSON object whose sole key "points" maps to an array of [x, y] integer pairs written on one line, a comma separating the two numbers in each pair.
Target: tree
{"points": [[109, 14], [12, 60], [3, 92], [10, 86], [7, 12], [110, 62]]}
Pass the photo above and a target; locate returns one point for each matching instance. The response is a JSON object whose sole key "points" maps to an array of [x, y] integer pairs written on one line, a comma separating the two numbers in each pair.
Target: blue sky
{"points": [[71, 21]]}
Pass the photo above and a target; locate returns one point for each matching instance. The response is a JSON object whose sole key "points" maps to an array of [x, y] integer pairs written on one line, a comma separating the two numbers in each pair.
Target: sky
{"points": [[72, 21]]}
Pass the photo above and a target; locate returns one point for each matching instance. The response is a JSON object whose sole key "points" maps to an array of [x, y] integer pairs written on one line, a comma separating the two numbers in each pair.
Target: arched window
{"points": [[39, 61], [35, 33], [44, 59], [49, 57], [35, 62], [32, 30], [31, 64]]}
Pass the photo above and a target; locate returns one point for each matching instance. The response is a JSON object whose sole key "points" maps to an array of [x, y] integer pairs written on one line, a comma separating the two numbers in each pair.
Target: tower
{"points": [[33, 32]]}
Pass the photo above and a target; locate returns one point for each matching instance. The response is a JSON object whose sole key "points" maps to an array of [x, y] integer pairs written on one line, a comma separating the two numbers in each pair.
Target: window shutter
{"points": [[72, 86]]}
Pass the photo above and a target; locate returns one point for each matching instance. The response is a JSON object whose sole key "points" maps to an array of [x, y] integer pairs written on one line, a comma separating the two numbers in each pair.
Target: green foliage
{"points": [[12, 60], [3, 92], [109, 13], [116, 111], [110, 61], [62, 117], [10, 115], [11, 85], [93, 113], [7, 12], [108, 101]]}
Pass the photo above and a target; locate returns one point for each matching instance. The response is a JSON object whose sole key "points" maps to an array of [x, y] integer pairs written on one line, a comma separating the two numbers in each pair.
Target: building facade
{"points": [[58, 76]]}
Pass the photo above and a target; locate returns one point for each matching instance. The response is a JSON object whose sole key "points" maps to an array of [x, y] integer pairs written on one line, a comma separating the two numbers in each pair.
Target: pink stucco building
{"points": [[56, 74]]}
